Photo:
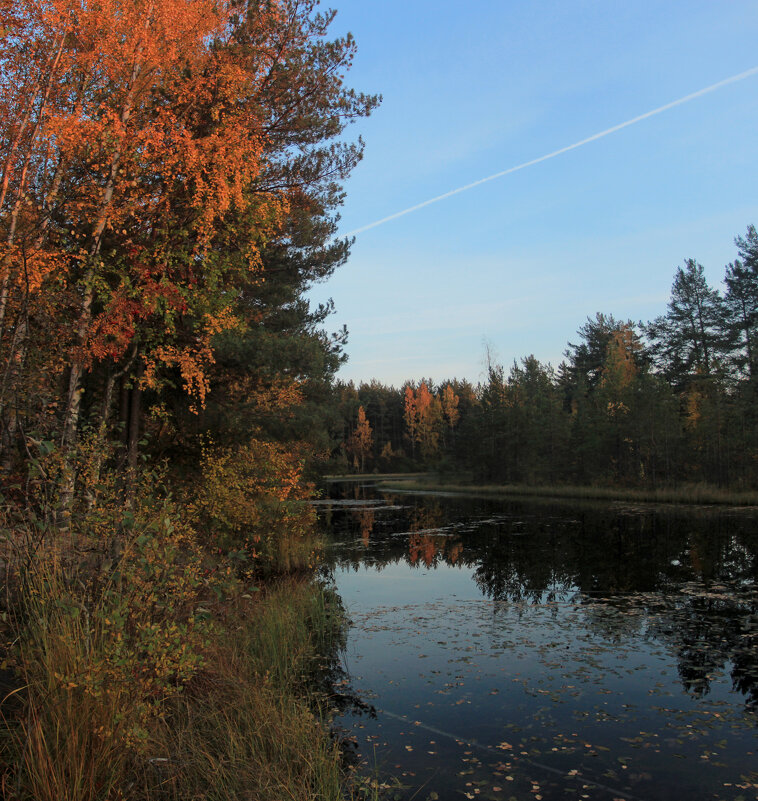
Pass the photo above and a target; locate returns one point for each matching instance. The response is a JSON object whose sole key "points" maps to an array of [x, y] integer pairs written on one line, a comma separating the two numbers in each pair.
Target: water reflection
{"points": [[582, 631], [709, 559]]}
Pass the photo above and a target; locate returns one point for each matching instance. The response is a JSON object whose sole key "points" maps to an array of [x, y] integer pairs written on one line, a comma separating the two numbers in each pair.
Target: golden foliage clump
{"points": [[254, 499]]}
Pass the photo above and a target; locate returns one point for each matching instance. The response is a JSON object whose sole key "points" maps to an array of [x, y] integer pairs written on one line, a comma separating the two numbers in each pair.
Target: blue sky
{"points": [[520, 262]]}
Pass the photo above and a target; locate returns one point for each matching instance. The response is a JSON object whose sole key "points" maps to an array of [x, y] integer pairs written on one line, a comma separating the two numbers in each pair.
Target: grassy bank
{"points": [[248, 723], [349, 477], [161, 650], [693, 495]]}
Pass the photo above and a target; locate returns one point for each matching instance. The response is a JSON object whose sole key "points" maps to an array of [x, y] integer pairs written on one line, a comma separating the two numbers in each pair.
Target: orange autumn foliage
{"points": [[423, 418], [620, 368], [149, 153], [361, 440], [450, 409]]}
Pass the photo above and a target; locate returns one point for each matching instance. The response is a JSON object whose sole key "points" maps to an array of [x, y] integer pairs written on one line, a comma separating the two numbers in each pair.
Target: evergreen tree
{"points": [[688, 340], [741, 302], [586, 359], [538, 429]]}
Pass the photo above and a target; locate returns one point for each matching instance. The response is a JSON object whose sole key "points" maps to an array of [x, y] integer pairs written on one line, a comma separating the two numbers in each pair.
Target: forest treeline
{"points": [[648, 404], [170, 179], [170, 174]]}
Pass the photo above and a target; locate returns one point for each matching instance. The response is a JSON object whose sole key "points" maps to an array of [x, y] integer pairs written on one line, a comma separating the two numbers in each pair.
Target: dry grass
{"points": [[691, 494], [349, 477], [245, 728], [70, 736]]}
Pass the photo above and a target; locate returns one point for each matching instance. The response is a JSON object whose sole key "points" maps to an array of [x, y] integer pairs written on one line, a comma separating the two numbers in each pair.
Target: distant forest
{"points": [[660, 403]]}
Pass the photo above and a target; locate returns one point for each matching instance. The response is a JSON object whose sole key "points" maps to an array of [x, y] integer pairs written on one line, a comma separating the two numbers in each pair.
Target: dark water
{"points": [[548, 651]]}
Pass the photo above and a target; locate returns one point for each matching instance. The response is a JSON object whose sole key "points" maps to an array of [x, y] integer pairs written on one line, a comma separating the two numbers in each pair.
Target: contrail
{"points": [[594, 137]]}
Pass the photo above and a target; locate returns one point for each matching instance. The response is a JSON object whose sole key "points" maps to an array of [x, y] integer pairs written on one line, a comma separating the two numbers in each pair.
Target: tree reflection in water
{"points": [[686, 579]]}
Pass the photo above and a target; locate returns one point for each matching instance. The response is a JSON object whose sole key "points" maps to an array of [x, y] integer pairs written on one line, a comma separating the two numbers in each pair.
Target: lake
{"points": [[546, 650]]}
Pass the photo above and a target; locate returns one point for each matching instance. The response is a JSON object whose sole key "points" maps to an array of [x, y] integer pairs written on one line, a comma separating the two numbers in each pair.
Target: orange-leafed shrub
{"points": [[252, 498]]}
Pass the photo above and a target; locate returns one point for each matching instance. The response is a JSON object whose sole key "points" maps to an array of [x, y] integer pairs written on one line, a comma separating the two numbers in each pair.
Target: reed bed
{"points": [[81, 721], [691, 494]]}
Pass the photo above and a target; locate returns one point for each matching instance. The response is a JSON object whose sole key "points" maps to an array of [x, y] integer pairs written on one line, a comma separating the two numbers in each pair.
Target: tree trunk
{"points": [[133, 435], [75, 390], [8, 166]]}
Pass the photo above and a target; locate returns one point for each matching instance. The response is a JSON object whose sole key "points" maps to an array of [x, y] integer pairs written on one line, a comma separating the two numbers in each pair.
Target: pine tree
{"points": [[741, 302], [688, 340]]}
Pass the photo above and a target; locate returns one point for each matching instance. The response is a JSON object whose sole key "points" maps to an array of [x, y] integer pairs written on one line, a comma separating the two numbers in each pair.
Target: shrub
{"points": [[252, 499]]}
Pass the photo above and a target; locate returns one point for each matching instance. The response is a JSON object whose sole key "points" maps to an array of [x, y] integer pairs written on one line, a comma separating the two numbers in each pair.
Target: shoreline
{"points": [[682, 496]]}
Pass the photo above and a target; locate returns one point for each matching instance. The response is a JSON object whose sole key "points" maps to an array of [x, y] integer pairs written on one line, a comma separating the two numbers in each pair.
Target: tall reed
{"points": [[686, 494], [69, 743], [247, 728]]}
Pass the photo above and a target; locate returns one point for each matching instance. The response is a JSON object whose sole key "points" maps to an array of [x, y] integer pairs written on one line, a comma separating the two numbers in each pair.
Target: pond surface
{"points": [[508, 649]]}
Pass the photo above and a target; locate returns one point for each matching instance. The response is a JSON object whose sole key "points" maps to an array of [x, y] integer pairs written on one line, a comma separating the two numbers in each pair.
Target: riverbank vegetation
{"points": [[665, 408], [687, 495], [170, 174]]}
